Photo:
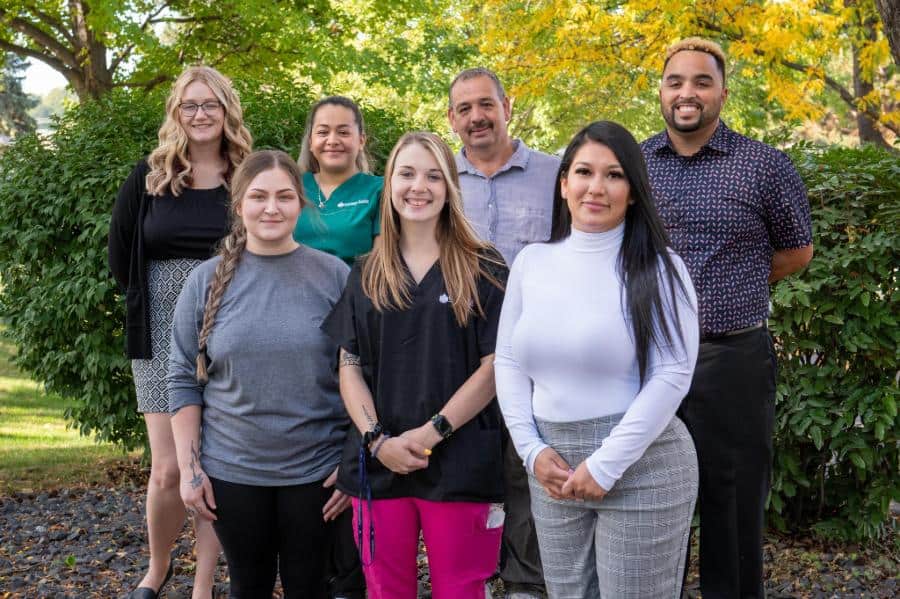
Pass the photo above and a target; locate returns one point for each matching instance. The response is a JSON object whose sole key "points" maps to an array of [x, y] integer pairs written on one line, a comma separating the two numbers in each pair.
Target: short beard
{"points": [[689, 128]]}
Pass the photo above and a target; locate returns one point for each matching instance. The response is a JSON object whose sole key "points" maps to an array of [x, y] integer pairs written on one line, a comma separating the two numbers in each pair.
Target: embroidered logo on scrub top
{"points": [[353, 203], [444, 298]]}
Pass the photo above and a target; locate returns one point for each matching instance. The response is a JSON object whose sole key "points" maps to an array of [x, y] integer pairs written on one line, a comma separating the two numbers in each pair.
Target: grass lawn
{"points": [[37, 450]]}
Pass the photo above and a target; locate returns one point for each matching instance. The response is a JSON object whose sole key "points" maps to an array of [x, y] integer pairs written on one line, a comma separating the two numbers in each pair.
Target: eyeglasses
{"points": [[190, 108]]}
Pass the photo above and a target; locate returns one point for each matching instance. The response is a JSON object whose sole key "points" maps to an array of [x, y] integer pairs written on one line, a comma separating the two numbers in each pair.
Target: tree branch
{"points": [[42, 38], [221, 58], [51, 61], [205, 19], [148, 84], [843, 92], [52, 22], [845, 95], [125, 52]]}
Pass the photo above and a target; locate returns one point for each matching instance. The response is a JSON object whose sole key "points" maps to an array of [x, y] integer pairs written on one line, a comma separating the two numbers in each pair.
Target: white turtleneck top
{"points": [[565, 351]]}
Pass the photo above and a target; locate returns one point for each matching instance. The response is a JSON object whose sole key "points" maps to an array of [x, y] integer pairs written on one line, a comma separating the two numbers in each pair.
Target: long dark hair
{"points": [[644, 257], [307, 161]]}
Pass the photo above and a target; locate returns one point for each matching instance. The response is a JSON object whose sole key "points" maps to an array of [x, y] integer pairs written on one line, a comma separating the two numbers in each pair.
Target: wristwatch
{"points": [[371, 435], [442, 425]]}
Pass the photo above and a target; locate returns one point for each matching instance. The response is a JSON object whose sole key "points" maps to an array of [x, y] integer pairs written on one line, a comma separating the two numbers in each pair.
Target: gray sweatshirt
{"points": [[272, 412]]}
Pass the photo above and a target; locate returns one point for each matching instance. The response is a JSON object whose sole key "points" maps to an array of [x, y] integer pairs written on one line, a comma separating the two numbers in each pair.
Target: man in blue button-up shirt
{"points": [[507, 188], [736, 212], [507, 192]]}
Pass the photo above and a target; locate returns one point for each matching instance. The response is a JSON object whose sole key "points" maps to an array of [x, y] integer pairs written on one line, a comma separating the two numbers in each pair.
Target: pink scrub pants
{"points": [[462, 551]]}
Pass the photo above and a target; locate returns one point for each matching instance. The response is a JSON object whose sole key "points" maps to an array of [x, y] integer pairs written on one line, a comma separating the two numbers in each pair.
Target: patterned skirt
{"points": [[165, 278]]}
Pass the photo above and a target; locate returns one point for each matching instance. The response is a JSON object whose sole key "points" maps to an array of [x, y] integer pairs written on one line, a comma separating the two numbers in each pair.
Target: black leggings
{"points": [[266, 530]]}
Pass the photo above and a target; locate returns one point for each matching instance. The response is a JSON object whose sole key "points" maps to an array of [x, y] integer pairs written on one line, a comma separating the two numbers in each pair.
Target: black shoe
{"points": [[147, 592]]}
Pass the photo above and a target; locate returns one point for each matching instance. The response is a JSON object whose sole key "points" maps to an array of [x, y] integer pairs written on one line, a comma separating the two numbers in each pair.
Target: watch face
{"points": [[442, 425]]}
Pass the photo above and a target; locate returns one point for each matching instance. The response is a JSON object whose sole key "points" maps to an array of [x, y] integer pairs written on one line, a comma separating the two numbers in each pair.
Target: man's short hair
{"points": [[698, 44], [472, 74]]}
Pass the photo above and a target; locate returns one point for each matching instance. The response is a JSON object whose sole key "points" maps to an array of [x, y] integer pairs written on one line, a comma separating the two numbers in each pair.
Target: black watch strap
{"points": [[442, 425], [371, 435]]}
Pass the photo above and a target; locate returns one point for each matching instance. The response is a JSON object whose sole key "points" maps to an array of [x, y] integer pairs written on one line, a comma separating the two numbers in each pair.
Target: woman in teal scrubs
{"points": [[343, 219]]}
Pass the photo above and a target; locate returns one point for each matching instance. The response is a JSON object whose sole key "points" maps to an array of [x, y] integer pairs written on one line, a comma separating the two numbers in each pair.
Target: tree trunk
{"points": [[87, 84], [868, 130], [94, 76], [890, 19]]}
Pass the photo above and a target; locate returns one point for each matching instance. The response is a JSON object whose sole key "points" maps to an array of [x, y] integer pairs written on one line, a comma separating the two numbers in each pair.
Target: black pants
{"points": [[267, 530], [730, 412], [344, 570], [520, 558]]}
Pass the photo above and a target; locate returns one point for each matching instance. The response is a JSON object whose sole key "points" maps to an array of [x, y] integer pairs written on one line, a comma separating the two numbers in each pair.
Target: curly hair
{"points": [[170, 163]]}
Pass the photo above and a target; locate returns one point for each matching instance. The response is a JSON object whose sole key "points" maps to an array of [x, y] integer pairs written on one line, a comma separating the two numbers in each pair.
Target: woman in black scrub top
{"points": [[417, 325]]}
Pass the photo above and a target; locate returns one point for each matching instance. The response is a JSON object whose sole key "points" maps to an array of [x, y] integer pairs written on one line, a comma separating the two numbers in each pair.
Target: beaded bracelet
{"points": [[384, 437]]}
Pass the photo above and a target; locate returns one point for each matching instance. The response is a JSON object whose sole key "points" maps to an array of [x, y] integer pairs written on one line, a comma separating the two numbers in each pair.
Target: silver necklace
{"points": [[322, 200]]}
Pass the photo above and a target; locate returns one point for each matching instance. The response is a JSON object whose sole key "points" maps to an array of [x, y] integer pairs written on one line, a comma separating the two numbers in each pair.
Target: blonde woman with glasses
{"points": [[168, 217]]}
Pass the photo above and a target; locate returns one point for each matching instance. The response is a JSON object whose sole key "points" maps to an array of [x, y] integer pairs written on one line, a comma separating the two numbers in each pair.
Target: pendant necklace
{"points": [[322, 199]]}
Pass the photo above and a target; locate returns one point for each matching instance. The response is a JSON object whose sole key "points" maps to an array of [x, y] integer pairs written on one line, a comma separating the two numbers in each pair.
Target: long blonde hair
{"points": [[463, 256], [170, 164], [232, 246]]}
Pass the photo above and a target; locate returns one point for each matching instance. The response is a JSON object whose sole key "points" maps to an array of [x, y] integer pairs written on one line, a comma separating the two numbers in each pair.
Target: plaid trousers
{"points": [[632, 543]]}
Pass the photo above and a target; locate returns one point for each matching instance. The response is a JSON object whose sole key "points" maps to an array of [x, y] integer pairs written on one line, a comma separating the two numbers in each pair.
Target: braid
{"points": [[232, 248]]}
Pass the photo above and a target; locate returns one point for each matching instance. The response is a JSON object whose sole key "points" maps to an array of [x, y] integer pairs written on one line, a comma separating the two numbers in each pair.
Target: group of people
{"points": [[539, 365]]}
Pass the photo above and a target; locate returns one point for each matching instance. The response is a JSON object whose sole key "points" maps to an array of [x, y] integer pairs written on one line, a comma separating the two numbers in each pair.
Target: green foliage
{"points": [[53, 103], [61, 306], [837, 435]]}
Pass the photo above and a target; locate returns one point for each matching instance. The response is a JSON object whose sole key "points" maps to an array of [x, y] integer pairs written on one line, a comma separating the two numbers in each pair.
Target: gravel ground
{"points": [[89, 542]]}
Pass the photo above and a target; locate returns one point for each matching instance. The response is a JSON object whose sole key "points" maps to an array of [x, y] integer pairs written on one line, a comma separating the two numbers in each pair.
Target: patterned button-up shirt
{"points": [[727, 209], [514, 206]]}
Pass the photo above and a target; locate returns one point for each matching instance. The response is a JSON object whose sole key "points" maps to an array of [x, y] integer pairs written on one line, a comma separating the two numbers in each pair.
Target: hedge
{"points": [[837, 458]]}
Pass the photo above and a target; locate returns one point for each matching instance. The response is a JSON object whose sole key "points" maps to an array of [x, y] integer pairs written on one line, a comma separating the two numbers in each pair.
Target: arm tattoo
{"points": [[372, 421], [197, 474], [348, 359]]}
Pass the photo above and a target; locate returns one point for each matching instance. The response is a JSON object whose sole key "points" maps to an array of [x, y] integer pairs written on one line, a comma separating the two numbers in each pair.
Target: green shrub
{"points": [[837, 457], [61, 307]]}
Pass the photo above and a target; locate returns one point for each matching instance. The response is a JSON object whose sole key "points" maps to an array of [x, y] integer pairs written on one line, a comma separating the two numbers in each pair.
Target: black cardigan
{"points": [[128, 253], [126, 258]]}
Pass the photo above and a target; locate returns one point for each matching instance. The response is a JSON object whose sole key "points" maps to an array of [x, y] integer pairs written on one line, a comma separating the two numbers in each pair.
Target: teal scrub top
{"points": [[348, 220]]}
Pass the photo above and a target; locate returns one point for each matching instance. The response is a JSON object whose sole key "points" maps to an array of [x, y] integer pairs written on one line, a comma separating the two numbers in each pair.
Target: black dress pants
{"points": [[269, 530], [730, 413], [520, 558]]}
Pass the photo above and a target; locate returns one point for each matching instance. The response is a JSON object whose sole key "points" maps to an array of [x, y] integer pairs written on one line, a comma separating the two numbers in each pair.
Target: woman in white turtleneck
{"points": [[596, 349]]}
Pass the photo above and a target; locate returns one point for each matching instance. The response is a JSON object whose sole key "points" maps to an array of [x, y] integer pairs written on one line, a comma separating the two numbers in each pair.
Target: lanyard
{"points": [[365, 490]]}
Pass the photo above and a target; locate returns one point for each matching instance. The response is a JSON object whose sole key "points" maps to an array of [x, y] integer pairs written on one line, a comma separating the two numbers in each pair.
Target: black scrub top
{"points": [[413, 361]]}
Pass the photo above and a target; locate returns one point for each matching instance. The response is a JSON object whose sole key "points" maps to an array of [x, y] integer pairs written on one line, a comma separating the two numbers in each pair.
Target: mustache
{"points": [[480, 124]]}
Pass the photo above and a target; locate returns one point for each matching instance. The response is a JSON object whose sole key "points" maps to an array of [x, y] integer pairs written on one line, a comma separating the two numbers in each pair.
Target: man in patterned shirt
{"points": [[736, 212], [507, 192]]}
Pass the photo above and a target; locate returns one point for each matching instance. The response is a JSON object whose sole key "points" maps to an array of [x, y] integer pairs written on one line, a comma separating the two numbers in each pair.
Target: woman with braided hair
{"points": [[258, 421], [169, 215]]}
